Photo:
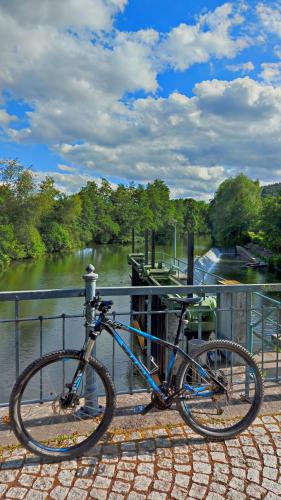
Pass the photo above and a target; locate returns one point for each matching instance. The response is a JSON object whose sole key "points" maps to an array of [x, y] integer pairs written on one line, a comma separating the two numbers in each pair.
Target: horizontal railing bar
{"points": [[138, 290], [196, 309], [187, 289], [39, 318], [59, 293]]}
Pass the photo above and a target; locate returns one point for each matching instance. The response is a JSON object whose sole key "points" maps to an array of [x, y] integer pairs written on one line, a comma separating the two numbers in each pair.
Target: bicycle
{"points": [[218, 389]]}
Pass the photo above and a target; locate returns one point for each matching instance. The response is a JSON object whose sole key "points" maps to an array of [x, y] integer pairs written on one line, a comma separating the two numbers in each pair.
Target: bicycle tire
{"points": [[238, 427], [15, 407]]}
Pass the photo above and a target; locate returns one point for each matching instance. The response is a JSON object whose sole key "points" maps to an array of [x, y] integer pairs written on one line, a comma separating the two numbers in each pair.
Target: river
{"points": [[65, 271]]}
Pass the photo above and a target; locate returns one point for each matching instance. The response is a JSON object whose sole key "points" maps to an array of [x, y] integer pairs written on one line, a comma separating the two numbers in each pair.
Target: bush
{"points": [[56, 237]]}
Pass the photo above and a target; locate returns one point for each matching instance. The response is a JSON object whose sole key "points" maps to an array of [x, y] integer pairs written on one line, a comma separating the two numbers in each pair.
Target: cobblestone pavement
{"points": [[155, 463]]}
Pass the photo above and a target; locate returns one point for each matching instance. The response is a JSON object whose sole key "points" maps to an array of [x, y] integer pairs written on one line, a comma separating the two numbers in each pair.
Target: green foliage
{"points": [[56, 237], [37, 218], [271, 222], [235, 210]]}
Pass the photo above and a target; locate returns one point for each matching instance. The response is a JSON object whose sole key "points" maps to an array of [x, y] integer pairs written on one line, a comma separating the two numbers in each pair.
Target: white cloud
{"points": [[74, 79], [271, 72], [210, 37], [243, 68], [270, 16], [5, 118], [92, 14], [66, 168], [226, 128]]}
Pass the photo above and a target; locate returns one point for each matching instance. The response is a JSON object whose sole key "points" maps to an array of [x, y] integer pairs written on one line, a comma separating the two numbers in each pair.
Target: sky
{"points": [[188, 91]]}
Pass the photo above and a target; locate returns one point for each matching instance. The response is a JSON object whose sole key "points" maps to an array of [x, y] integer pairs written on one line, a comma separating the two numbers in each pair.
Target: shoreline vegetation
{"points": [[36, 218]]}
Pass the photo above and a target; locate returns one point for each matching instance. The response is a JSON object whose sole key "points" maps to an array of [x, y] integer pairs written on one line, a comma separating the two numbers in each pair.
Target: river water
{"points": [[65, 271]]}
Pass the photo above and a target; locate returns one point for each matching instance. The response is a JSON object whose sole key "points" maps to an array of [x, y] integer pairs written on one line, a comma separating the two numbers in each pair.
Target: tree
{"points": [[271, 223], [235, 210]]}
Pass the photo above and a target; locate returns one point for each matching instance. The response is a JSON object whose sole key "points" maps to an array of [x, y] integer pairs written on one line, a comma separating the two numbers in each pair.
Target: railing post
{"points": [[91, 397]]}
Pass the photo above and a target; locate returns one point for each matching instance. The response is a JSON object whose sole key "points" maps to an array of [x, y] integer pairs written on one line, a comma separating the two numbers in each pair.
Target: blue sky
{"points": [[132, 90]]}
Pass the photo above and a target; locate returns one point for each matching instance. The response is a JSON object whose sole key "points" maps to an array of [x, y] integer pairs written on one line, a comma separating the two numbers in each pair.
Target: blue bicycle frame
{"points": [[201, 390]]}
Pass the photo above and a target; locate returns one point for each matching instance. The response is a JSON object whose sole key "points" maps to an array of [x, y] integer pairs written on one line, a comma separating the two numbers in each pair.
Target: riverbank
{"points": [[254, 251]]}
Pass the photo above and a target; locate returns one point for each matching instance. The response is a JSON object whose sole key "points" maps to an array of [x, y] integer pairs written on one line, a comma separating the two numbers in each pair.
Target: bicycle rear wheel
{"points": [[212, 412], [43, 424]]}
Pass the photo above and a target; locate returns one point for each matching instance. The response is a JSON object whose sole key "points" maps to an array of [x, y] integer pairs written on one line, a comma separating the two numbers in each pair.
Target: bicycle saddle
{"points": [[188, 300]]}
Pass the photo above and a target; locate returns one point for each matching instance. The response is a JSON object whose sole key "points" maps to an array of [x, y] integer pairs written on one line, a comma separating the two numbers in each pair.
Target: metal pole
{"points": [[190, 258], [153, 249], [146, 247], [175, 243], [133, 240], [91, 398]]}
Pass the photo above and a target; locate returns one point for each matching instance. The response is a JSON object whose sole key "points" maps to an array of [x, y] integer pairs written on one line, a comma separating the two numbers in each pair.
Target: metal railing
{"points": [[25, 336]]}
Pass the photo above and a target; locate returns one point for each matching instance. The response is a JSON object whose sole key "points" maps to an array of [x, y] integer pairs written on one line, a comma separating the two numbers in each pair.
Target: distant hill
{"points": [[271, 190]]}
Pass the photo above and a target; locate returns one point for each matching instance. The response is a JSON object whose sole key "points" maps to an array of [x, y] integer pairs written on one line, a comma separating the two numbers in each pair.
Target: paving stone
{"points": [[214, 496], [128, 476], [49, 469], [238, 472], [66, 477], [8, 476], [147, 469], [106, 470], [85, 471], [165, 475], [165, 463], [255, 491], [272, 486], [197, 491], [126, 466], [250, 451], [31, 469], [217, 487], [218, 457], [16, 492], [178, 493], [270, 473], [202, 467], [68, 464], [161, 485], [83, 483], [98, 494], [142, 483], [121, 487], [271, 496], [59, 493], [270, 460], [200, 456], [36, 495], [253, 475], [182, 480], [115, 496], [237, 484], [77, 494], [43, 483], [200, 478], [182, 468], [235, 495], [101, 482], [3, 488], [134, 495], [156, 495]]}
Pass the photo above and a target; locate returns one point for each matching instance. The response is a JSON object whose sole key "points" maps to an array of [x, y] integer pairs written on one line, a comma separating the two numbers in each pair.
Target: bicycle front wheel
{"points": [[215, 413], [46, 426]]}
